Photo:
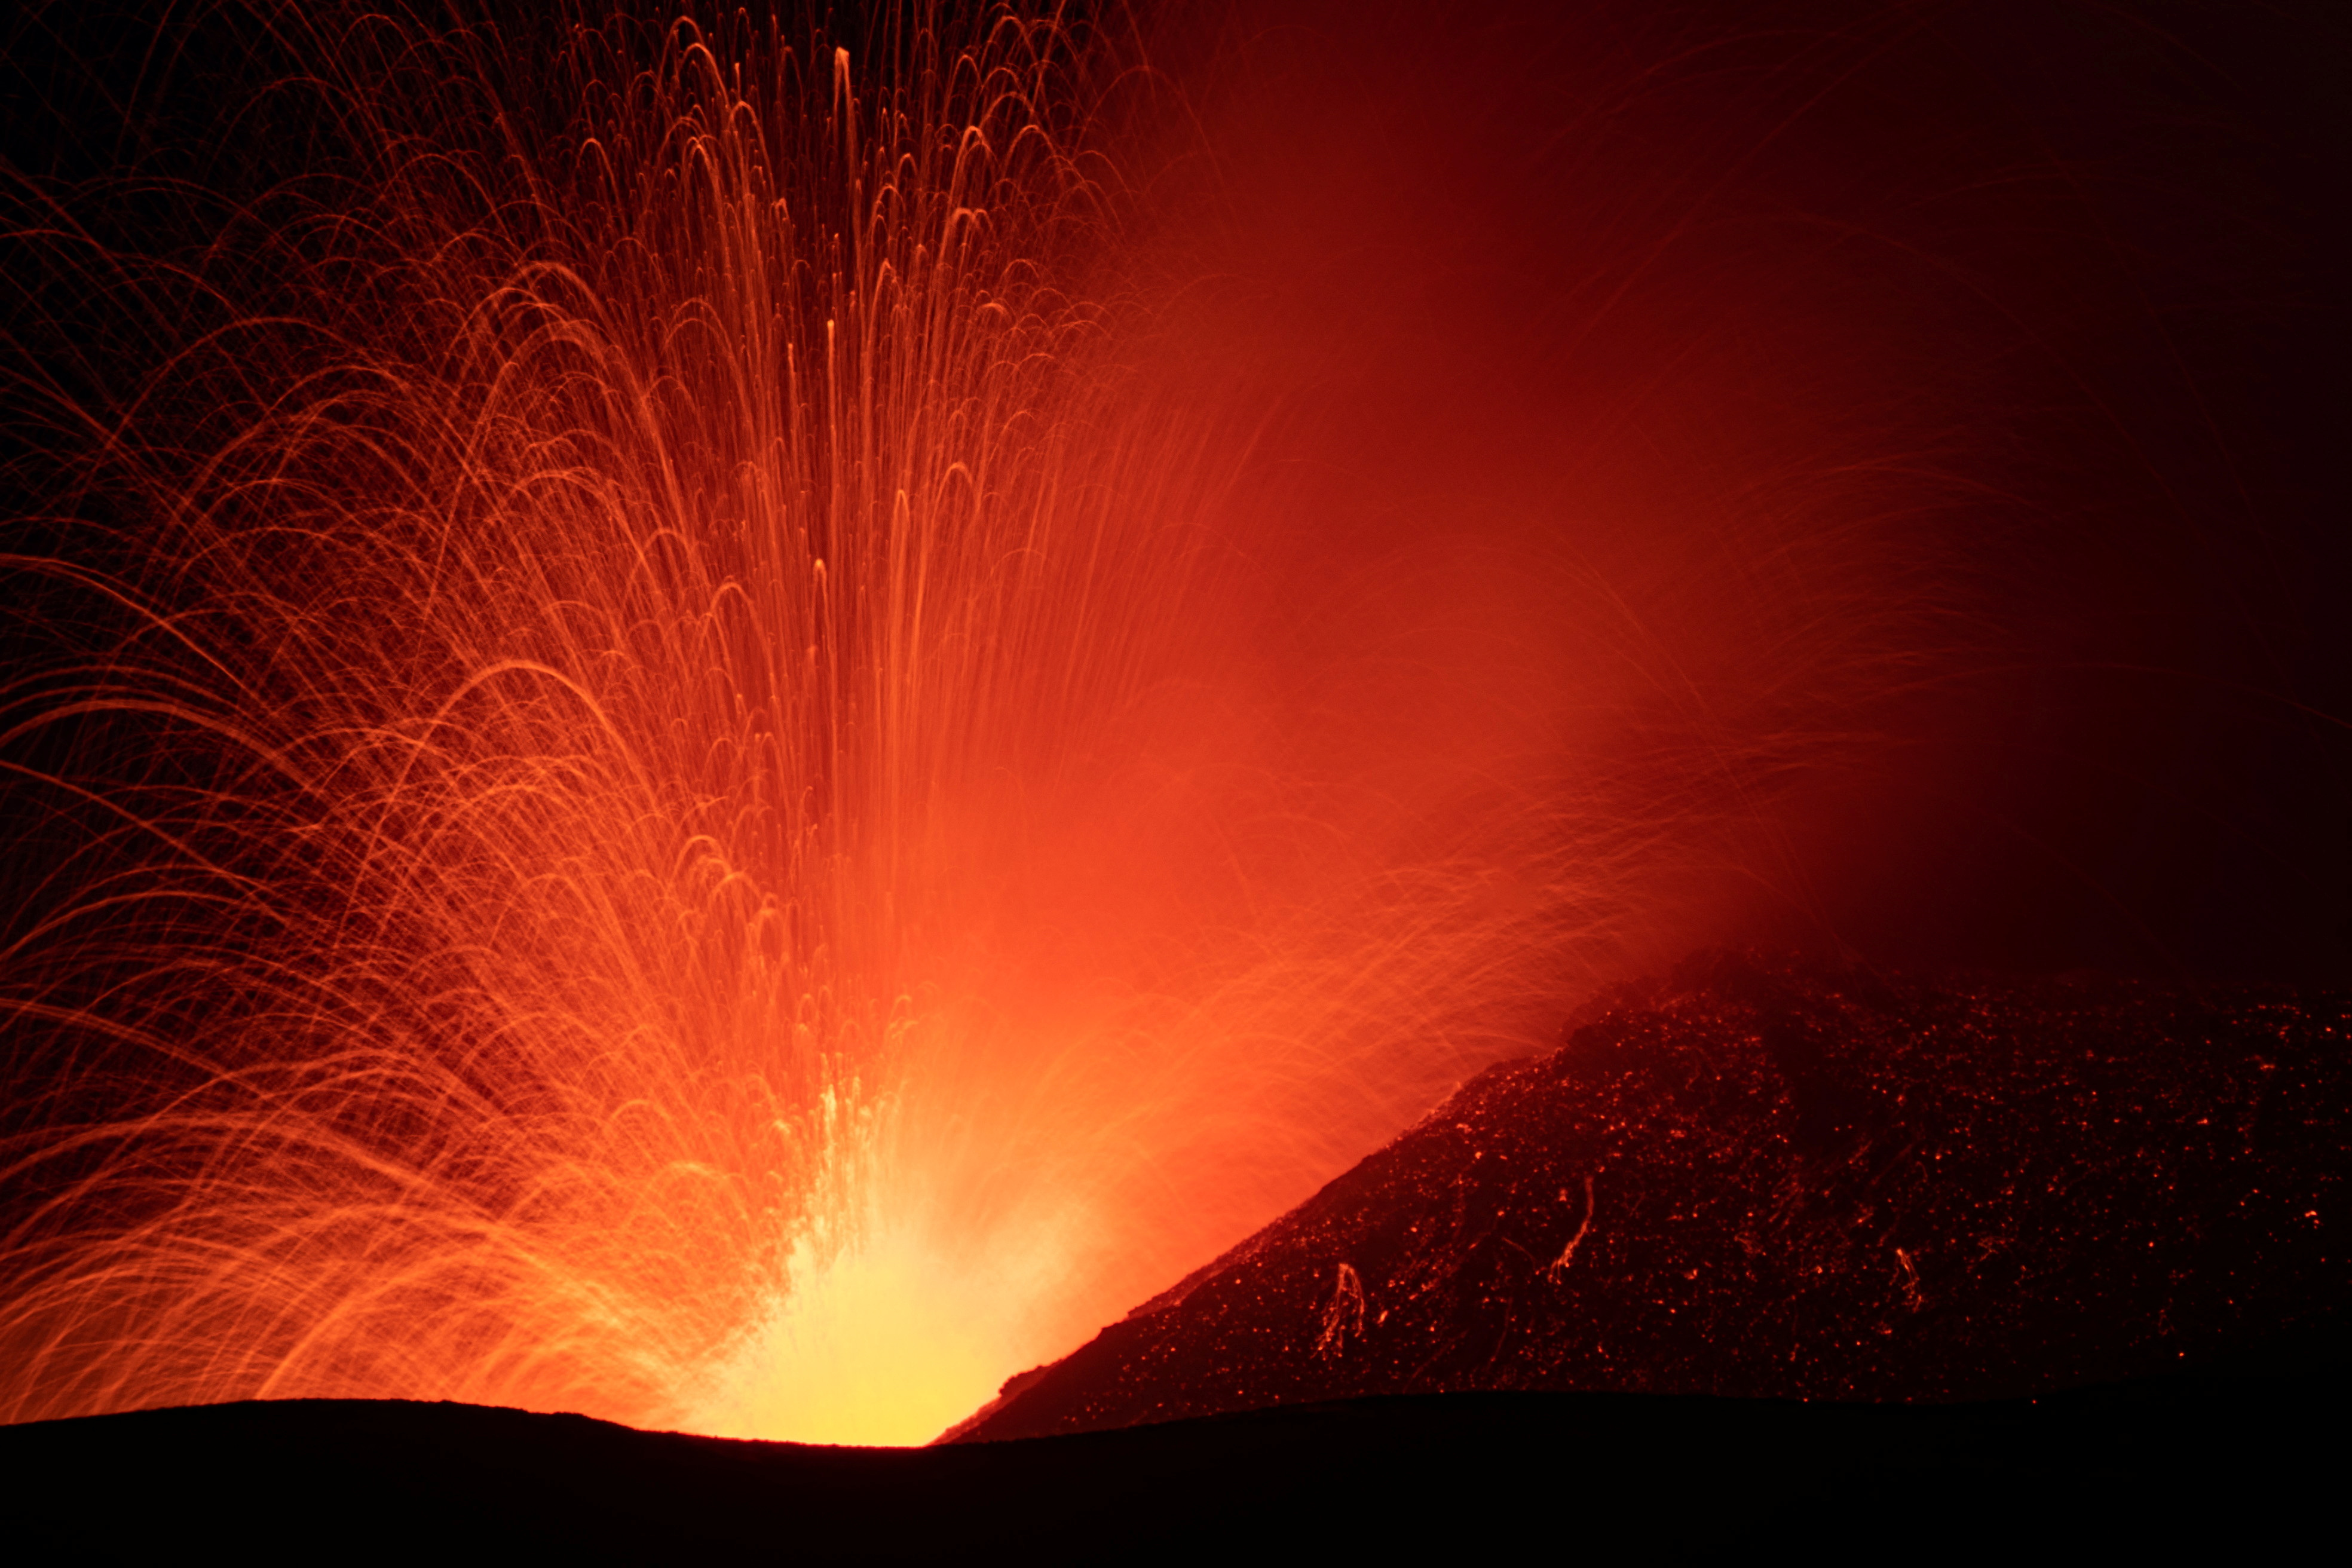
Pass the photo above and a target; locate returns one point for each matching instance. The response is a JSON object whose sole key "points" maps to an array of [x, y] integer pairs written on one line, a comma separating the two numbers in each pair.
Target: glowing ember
{"points": [[704, 721], [648, 803]]}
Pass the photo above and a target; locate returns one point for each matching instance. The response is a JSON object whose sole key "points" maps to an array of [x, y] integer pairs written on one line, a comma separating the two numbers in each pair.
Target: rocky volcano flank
{"points": [[1773, 1178]]}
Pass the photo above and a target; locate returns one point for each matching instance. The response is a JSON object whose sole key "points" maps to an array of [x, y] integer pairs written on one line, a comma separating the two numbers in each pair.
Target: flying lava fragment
{"points": [[732, 719]]}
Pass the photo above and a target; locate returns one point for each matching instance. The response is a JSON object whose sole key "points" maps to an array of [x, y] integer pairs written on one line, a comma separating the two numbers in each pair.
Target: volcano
{"points": [[717, 721], [1766, 1250], [1779, 1179]]}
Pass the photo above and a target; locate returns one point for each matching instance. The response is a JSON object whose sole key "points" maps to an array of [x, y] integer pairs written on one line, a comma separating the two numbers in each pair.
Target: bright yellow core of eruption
{"points": [[889, 1343]]}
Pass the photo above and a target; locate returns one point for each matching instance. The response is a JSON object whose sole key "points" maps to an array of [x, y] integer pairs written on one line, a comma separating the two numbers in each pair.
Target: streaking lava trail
{"points": [[730, 721]]}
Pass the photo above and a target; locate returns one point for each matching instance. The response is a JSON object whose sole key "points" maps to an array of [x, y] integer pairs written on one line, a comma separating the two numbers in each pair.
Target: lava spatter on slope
{"points": [[1783, 1179]]}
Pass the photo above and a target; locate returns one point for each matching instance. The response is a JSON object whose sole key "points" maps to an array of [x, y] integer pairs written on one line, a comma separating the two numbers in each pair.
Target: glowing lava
{"points": [[643, 807], [702, 726]]}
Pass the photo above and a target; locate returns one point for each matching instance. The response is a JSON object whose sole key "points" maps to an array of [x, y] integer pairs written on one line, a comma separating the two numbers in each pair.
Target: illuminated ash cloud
{"points": [[1793, 1181]]}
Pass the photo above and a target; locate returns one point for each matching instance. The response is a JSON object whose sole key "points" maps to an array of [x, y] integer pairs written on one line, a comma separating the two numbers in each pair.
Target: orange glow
{"points": [[717, 746], [726, 875]]}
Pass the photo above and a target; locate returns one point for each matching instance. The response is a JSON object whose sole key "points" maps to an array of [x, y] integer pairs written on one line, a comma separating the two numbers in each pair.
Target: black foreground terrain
{"points": [[2242, 1463], [1790, 1180]]}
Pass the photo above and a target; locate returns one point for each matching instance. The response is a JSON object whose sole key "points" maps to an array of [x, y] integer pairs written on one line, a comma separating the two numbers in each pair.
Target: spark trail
{"points": [[691, 731], [592, 691]]}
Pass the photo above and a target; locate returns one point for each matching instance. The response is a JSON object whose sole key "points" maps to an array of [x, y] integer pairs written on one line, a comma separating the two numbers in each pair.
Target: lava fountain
{"points": [[570, 708], [671, 750]]}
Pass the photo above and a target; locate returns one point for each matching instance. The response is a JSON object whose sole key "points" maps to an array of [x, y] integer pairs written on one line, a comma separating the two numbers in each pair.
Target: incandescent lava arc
{"points": [[731, 718]]}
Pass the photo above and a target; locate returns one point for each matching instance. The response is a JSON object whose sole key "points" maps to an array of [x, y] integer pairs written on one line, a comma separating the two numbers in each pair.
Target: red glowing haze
{"points": [[734, 723]]}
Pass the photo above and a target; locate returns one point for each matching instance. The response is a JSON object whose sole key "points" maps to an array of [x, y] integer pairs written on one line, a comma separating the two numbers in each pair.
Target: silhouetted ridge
{"points": [[2229, 1462]]}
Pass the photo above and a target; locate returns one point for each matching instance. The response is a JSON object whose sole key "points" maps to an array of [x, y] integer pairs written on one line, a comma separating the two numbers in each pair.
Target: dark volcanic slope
{"points": [[1783, 1180]]}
